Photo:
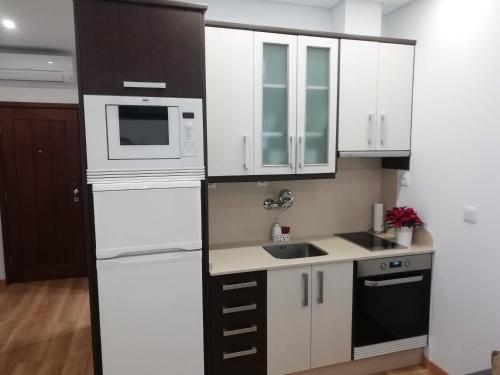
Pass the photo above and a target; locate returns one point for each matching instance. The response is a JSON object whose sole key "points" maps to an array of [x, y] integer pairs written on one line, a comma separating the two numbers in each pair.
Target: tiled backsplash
{"points": [[321, 207]]}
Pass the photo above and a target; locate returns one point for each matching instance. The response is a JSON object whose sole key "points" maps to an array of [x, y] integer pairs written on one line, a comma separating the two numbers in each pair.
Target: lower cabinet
{"points": [[238, 324], [309, 315]]}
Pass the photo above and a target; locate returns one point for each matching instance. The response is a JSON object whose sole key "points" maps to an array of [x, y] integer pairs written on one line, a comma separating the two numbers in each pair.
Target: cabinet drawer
{"points": [[238, 331]]}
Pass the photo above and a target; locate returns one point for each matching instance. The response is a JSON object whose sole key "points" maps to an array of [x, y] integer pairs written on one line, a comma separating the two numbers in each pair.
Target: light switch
{"points": [[470, 214]]}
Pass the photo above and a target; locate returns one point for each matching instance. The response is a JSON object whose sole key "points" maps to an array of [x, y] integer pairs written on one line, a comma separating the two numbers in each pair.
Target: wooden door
{"points": [[42, 214], [358, 95], [288, 320], [331, 314], [395, 96], [229, 55]]}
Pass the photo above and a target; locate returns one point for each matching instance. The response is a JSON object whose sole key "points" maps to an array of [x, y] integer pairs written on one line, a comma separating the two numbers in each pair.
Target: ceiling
{"points": [[47, 25], [41, 24], [388, 5]]}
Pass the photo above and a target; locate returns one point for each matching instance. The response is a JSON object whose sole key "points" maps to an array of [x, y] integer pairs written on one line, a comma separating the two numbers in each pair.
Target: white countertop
{"points": [[237, 259]]}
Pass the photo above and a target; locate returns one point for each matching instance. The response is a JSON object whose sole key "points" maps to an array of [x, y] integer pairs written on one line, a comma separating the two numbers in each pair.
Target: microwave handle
{"points": [[145, 85], [403, 280]]}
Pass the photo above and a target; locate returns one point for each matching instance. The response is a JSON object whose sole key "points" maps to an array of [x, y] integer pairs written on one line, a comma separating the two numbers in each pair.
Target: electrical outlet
{"points": [[404, 180], [212, 185], [261, 184]]}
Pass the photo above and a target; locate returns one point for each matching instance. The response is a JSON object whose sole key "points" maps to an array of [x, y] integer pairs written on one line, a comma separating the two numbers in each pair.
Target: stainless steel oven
{"points": [[391, 305]]}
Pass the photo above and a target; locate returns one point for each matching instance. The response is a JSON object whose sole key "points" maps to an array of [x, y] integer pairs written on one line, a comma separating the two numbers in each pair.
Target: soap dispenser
{"points": [[276, 231]]}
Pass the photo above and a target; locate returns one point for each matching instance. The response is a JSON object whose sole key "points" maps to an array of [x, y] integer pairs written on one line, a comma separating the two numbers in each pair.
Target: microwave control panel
{"points": [[189, 141]]}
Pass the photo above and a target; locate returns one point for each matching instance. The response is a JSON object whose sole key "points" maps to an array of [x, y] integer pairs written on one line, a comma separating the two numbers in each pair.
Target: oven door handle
{"points": [[403, 280]]}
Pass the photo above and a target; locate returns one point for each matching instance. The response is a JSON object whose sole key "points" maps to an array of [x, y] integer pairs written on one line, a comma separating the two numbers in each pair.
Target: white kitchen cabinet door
{"points": [[395, 92], [317, 104], [331, 314], [275, 96], [288, 320], [358, 95], [229, 75]]}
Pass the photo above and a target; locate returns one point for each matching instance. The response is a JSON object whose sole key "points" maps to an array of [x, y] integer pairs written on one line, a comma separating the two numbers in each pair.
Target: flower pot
{"points": [[404, 236]]}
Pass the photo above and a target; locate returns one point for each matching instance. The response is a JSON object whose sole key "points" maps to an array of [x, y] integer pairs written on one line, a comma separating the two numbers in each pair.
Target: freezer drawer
{"points": [[134, 218], [151, 314]]}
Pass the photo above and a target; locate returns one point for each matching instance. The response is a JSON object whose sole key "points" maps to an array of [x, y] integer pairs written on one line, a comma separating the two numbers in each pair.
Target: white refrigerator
{"points": [[149, 275]]}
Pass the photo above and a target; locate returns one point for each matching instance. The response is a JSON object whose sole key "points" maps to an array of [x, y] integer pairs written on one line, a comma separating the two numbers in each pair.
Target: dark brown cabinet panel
{"points": [[238, 324], [123, 41]]}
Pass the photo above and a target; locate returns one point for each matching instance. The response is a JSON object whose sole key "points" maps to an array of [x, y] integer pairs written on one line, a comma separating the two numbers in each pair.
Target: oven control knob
{"points": [[407, 263], [383, 266]]}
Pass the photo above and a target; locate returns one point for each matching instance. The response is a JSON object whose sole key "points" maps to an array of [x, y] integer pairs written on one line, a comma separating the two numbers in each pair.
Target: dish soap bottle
{"points": [[276, 232]]}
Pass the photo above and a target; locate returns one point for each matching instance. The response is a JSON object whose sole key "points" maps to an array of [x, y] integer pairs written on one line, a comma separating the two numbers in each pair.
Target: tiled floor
{"points": [[45, 330]]}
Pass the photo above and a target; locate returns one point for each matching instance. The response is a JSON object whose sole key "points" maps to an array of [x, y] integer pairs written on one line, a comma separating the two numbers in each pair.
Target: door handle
{"points": [[245, 152], [305, 285], [320, 286], [76, 192], [300, 151], [290, 151], [370, 129], [242, 353], [382, 128], [402, 280]]}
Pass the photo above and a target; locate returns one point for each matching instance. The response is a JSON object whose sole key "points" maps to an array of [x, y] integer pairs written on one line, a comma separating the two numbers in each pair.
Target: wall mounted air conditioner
{"points": [[36, 67]]}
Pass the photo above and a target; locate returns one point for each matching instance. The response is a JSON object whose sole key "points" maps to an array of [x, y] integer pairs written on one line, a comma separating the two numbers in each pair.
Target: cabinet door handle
{"points": [[305, 285], [145, 85], [300, 152], [370, 129], [249, 284], [382, 128], [320, 286], [246, 156], [231, 310], [402, 280], [242, 353], [290, 151], [240, 331]]}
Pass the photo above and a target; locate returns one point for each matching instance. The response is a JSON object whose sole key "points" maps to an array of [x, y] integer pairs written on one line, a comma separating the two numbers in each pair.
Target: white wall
{"points": [[455, 161], [268, 13]]}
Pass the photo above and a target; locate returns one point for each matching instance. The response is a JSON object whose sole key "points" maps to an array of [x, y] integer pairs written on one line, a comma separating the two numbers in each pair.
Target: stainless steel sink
{"points": [[295, 250]]}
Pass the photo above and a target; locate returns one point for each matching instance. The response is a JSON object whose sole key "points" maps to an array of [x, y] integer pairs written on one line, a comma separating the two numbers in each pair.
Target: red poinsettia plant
{"points": [[402, 217]]}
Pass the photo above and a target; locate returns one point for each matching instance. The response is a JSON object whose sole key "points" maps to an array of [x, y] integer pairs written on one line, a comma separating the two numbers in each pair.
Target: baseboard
{"points": [[369, 366], [432, 367]]}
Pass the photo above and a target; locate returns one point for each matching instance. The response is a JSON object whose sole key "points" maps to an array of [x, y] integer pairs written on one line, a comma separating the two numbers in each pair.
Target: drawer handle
{"points": [[230, 310], [250, 284], [242, 353], [145, 85], [403, 280], [240, 331]]}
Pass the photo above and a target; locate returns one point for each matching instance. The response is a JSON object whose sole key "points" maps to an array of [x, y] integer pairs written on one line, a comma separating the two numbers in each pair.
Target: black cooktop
{"points": [[370, 242]]}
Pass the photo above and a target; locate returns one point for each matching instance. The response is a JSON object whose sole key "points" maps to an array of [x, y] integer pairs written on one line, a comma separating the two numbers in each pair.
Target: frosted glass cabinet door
{"points": [[316, 104], [274, 103]]}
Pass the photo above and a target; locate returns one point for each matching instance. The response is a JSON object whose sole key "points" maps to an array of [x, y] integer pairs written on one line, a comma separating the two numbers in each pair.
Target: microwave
{"points": [[143, 133]]}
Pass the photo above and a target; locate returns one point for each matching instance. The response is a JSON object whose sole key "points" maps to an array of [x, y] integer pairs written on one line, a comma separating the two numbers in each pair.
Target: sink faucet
{"points": [[284, 201]]}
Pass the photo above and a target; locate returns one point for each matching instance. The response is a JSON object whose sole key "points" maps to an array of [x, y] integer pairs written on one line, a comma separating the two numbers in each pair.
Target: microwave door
{"points": [[143, 132]]}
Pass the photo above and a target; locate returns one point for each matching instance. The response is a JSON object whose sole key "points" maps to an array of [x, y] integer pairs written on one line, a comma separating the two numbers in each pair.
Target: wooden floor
{"points": [[45, 330]]}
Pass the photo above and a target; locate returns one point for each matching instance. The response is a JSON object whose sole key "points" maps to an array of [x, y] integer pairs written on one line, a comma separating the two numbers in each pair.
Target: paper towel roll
{"points": [[378, 217]]}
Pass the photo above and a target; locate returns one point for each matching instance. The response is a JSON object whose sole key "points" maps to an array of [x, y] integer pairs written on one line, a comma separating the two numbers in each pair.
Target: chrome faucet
{"points": [[285, 200]]}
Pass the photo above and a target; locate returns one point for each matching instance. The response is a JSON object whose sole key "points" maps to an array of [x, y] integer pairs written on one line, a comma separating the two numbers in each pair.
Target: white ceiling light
{"points": [[8, 24]]}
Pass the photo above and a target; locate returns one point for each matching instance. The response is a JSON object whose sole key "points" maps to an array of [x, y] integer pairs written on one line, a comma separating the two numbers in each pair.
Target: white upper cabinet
{"points": [[375, 96], [316, 104], [229, 72], [395, 93], [357, 95], [275, 85]]}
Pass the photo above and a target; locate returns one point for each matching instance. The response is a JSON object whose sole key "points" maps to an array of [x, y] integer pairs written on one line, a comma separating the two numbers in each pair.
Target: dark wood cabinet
{"points": [[127, 41], [238, 324]]}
